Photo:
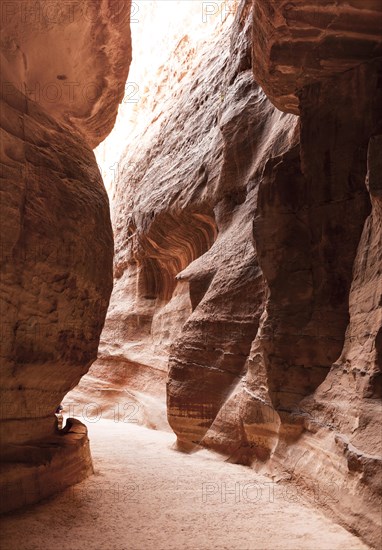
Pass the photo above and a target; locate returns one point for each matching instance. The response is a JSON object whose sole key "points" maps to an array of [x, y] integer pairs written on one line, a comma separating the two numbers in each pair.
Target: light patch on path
{"points": [[146, 496]]}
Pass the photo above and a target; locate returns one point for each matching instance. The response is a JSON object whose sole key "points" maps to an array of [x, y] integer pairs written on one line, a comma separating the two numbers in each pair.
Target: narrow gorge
{"points": [[241, 157]]}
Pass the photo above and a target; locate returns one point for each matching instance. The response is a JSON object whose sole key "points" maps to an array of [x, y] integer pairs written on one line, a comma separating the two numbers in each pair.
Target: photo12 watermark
{"points": [[65, 91], [125, 412], [222, 8], [267, 492], [88, 493], [51, 12]]}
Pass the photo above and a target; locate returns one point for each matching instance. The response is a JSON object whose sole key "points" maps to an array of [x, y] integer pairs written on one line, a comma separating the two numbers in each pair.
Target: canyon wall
{"points": [[323, 267], [63, 72], [248, 254], [154, 242]]}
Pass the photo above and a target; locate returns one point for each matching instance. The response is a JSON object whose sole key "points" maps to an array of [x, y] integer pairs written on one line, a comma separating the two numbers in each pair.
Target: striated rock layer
{"points": [[301, 42], [155, 242], [57, 244], [248, 254]]}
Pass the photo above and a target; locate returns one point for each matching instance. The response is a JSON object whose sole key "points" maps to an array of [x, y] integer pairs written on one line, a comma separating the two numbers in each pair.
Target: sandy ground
{"points": [[146, 496]]}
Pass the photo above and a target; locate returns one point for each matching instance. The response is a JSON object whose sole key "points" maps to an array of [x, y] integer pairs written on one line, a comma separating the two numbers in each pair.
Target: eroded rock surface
{"points": [[248, 254], [70, 57], [301, 42], [57, 244]]}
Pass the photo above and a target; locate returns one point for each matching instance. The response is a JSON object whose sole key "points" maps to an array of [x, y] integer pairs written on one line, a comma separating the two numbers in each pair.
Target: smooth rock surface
{"points": [[72, 58]]}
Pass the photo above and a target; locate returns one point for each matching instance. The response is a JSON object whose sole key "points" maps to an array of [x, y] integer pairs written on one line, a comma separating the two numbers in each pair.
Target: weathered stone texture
{"points": [[57, 243]]}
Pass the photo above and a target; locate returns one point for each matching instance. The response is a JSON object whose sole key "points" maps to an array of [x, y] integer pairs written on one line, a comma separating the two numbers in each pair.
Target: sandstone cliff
{"points": [[57, 244]]}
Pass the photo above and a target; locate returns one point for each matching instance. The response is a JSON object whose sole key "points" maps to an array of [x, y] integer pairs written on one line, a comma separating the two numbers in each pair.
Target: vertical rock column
{"points": [[57, 243], [319, 340]]}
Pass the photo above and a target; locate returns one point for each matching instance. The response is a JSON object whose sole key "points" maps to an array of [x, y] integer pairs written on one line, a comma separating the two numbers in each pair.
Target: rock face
{"points": [[321, 267], [161, 225], [302, 42], [72, 58], [248, 254], [57, 244]]}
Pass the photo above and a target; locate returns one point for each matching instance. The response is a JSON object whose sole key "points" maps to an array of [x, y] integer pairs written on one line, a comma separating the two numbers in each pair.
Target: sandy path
{"points": [[146, 496]]}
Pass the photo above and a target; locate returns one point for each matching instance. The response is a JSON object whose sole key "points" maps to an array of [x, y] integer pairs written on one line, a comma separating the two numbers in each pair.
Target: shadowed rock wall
{"points": [[57, 243]]}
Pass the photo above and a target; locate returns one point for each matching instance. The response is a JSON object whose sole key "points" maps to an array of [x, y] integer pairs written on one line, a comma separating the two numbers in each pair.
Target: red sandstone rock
{"points": [[57, 244], [56, 266], [70, 57], [301, 42]]}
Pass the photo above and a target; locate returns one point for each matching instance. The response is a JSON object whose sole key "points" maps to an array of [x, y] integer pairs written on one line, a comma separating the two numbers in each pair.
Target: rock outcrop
{"points": [[248, 253], [72, 58], [57, 243], [322, 266], [155, 239], [299, 43]]}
